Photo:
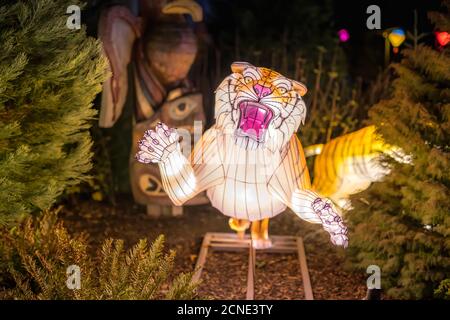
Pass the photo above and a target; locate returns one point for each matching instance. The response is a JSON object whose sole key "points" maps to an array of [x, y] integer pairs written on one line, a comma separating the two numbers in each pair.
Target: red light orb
{"points": [[443, 38]]}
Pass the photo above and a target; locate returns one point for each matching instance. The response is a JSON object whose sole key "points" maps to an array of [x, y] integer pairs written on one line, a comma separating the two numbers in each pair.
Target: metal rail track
{"points": [[216, 241]]}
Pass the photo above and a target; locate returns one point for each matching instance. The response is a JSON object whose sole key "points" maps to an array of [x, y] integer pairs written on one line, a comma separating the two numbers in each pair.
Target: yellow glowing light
{"points": [[396, 37]]}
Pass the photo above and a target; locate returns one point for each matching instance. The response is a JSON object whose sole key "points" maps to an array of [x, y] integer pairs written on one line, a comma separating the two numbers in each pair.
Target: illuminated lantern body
{"points": [[350, 163], [396, 38], [443, 38], [344, 36], [250, 162]]}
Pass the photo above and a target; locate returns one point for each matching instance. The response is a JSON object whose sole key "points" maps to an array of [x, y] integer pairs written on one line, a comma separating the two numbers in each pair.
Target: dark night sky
{"points": [[365, 49], [367, 44]]}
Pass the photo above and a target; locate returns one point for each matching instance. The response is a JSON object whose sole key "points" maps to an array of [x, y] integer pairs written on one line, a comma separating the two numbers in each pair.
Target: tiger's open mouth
{"points": [[254, 120]]}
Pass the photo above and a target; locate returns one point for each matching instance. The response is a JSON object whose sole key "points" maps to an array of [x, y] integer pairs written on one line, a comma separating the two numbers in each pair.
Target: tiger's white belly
{"points": [[250, 201], [244, 193]]}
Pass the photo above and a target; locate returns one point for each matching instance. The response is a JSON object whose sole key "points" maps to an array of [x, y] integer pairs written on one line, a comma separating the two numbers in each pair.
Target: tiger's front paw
{"points": [[339, 239], [158, 144], [331, 221]]}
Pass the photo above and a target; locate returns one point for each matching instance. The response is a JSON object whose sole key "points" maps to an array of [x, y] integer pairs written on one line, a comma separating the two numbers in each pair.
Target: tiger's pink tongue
{"points": [[254, 119]]}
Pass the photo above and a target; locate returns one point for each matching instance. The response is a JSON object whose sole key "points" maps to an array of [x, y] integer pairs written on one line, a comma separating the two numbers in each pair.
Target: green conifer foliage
{"points": [[402, 223], [35, 257], [49, 75]]}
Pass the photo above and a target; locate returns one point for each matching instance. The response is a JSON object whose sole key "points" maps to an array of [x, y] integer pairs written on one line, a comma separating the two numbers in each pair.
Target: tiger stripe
{"points": [[348, 164]]}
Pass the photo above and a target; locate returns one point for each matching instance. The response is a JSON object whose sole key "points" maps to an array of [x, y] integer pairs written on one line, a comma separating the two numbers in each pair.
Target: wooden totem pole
{"points": [[154, 39]]}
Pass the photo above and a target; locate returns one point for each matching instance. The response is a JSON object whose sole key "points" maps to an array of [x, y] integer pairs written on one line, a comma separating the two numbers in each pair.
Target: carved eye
{"points": [[248, 79], [150, 185], [282, 90], [180, 110]]}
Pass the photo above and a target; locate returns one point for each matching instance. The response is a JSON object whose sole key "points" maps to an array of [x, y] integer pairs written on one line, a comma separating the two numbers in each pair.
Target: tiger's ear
{"points": [[299, 87], [239, 66]]}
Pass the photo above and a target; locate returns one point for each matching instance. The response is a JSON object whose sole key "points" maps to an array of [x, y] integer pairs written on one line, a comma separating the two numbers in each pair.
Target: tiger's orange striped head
{"points": [[259, 107]]}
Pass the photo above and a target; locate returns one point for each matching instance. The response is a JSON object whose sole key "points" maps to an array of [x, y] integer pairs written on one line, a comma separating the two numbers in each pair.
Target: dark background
{"points": [[319, 22], [260, 24], [368, 44]]}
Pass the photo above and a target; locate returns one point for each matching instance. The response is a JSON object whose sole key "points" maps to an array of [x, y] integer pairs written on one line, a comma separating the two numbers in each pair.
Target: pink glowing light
{"points": [[343, 35]]}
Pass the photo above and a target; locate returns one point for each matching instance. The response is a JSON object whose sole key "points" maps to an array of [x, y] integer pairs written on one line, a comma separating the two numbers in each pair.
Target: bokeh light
{"points": [[344, 35]]}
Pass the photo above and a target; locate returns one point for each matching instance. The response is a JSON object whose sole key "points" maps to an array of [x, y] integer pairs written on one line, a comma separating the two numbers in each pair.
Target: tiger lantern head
{"points": [[259, 107]]}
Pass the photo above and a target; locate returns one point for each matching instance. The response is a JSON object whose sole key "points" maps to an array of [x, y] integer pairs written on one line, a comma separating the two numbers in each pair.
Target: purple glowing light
{"points": [[343, 35]]}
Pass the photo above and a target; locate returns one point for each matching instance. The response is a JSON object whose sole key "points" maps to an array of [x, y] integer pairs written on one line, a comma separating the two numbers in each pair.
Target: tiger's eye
{"points": [[248, 79], [282, 90]]}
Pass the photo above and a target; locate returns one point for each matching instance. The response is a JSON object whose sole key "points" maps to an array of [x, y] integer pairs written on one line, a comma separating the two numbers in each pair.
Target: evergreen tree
{"points": [[402, 224], [49, 75]]}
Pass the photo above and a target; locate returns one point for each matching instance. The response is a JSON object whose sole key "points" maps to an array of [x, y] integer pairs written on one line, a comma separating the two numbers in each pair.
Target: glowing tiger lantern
{"points": [[250, 162]]}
